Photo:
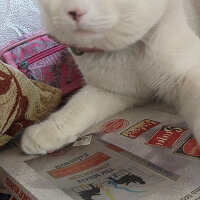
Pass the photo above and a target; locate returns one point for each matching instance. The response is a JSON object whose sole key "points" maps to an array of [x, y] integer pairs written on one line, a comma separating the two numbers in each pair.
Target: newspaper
{"points": [[5, 194], [139, 154], [99, 169]]}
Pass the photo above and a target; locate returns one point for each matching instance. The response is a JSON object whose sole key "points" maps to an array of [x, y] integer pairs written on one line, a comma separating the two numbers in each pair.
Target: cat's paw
{"points": [[45, 137]]}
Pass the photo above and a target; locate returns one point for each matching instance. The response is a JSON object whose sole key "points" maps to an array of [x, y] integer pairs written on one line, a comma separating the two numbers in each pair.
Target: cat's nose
{"points": [[76, 15]]}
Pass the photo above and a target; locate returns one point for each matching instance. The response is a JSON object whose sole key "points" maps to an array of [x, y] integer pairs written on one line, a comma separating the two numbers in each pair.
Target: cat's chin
{"points": [[84, 32], [90, 39], [78, 38]]}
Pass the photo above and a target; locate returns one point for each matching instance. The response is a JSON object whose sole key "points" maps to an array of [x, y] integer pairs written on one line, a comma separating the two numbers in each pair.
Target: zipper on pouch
{"points": [[66, 89], [25, 63]]}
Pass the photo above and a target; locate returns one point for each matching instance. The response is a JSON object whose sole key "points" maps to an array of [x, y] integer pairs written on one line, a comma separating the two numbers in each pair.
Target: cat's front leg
{"points": [[90, 105], [190, 101]]}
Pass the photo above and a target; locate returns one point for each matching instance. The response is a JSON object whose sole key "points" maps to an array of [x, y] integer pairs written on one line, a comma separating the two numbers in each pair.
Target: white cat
{"points": [[149, 51]]}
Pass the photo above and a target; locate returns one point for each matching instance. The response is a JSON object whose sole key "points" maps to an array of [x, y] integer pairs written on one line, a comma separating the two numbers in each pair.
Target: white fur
{"points": [[150, 51]]}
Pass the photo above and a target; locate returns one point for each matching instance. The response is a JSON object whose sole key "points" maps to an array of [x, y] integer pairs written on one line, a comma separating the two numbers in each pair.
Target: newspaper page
{"points": [[162, 139], [140, 154], [100, 171], [5, 194]]}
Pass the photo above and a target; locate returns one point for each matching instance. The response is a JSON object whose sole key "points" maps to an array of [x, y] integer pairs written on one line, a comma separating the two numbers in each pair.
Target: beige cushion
{"points": [[22, 102]]}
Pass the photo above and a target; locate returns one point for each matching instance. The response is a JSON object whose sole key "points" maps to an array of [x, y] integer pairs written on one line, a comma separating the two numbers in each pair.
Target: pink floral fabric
{"points": [[41, 58]]}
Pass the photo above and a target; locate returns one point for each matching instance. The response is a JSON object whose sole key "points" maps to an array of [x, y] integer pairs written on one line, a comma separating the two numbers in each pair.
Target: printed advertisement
{"points": [[5, 195], [99, 171]]}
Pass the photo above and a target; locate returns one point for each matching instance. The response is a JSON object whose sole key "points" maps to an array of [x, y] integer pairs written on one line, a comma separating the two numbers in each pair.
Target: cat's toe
{"points": [[30, 146], [43, 138]]}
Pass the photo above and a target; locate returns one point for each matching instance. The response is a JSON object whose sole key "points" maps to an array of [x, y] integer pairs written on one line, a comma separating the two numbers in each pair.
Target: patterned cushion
{"points": [[22, 102]]}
